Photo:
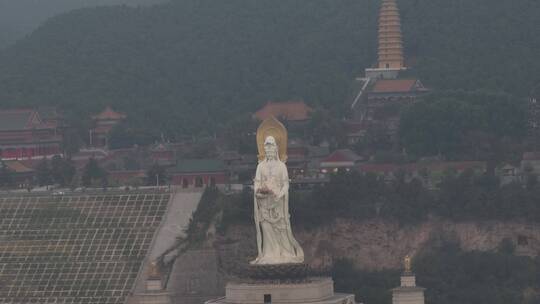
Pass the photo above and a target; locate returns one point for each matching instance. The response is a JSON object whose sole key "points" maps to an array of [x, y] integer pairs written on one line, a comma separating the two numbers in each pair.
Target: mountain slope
{"points": [[19, 18], [189, 66]]}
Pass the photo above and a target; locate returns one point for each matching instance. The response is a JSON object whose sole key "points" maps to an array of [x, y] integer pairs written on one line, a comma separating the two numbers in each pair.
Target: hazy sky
{"points": [[20, 17]]}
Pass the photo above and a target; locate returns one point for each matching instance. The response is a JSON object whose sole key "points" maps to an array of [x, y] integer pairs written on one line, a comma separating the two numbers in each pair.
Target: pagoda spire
{"points": [[390, 40]]}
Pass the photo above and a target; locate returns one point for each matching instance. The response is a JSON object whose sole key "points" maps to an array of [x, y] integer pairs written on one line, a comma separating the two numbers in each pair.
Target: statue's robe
{"points": [[275, 242]]}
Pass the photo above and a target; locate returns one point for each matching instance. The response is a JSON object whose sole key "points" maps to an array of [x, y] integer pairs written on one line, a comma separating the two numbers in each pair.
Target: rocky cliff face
{"points": [[379, 244]]}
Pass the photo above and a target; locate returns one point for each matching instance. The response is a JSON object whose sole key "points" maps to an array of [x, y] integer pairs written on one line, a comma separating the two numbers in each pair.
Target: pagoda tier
{"points": [[390, 39]]}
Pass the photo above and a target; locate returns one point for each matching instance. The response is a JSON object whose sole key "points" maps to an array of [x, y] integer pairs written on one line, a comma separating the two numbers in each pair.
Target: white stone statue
{"points": [[275, 241]]}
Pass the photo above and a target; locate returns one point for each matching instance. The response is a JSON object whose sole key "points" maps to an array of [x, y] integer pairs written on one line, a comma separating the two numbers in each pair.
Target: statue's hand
{"points": [[261, 195], [264, 192]]}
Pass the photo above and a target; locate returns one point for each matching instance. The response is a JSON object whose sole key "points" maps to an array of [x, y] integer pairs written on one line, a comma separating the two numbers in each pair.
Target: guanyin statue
{"points": [[275, 241]]}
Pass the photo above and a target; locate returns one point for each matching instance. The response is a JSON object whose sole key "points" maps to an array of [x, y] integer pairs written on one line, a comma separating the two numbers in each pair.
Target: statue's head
{"points": [[271, 148]]}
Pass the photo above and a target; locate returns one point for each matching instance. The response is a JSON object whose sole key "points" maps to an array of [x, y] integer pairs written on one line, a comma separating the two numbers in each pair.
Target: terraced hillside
{"points": [[75, 248]]}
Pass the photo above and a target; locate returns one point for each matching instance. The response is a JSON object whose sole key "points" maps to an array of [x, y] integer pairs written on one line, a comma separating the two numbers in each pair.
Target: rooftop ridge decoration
{"points": [[109, 113]]}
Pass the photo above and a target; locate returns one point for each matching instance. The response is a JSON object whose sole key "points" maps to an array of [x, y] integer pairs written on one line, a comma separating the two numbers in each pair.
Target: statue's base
{"points": [[313, 291], [278, 273]]}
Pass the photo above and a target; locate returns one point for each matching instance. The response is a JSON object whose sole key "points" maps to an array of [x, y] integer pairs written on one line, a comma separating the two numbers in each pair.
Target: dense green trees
{"points": [[128, 134], [351, 195], [458, 123], [202, 218], [188, 67], [473, 44], [368, 286], [156, 176], [239, 133], [6, 175], [62, 170], [56, 171], [450, 275], [454, 276], [43, 173], [93, 175]]}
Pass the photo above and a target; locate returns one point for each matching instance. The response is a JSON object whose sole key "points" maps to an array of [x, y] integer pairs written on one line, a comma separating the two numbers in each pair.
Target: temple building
{"points": [[104, 122], [379, 104], [293, 114], [343, 159], [199, 173], [385, 100], [25, 135], [163, 154], [378, 98], [290, 111]]}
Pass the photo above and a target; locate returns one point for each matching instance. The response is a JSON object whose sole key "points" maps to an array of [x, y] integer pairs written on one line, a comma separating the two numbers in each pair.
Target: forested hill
{"points": [[191, 65], [20, 17]]}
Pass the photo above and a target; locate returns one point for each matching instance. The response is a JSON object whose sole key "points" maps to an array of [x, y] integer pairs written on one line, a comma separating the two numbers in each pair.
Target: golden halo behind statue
{"points": [[272, 127]]}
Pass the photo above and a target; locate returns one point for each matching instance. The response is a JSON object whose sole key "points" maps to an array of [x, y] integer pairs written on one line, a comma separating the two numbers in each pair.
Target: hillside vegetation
{"points": [[467, 250], [19, 18], [451, 275], [189, 66]]}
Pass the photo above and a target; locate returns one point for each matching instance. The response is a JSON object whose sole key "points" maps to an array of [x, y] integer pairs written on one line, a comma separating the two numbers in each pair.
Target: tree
{"points": [[532, 181], [457, 124], [43, 173], [71, 141], [325, 125], [130, 163], [239, 134], [156, 175], [62, 170], [93, 174], [127, 134], [6, 175], [377, 138], [202, 148], [235, 56]]}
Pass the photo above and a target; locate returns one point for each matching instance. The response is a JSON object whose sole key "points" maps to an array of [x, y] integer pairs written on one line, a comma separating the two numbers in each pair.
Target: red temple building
{"points": [[104, 122], [386, 99], [378, 99], [293, 114], [163, 154], [24, 135], [340, 159], [199, 173], [22, 174], [290, 111], [380, 103]]}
